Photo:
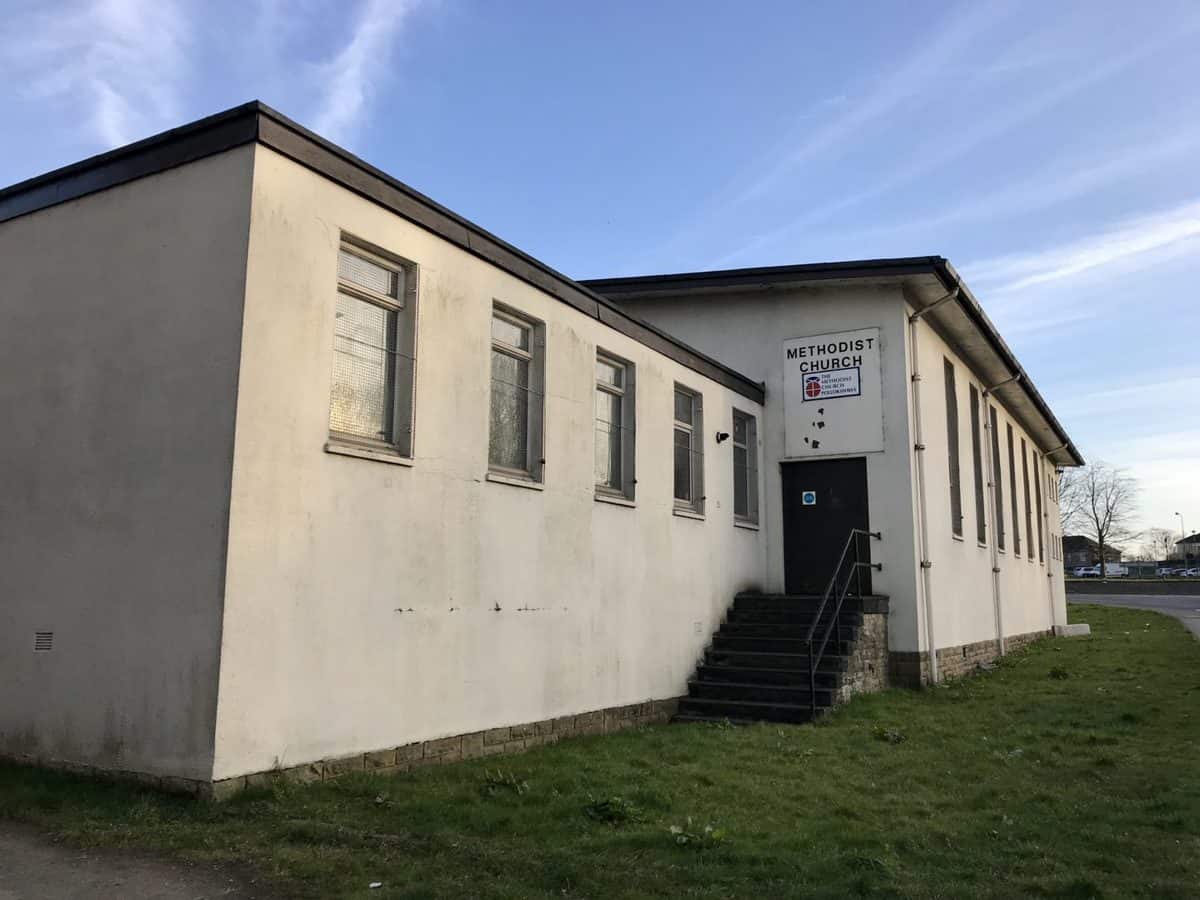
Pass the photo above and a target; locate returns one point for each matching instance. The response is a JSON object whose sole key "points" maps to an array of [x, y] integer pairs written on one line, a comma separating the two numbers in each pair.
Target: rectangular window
{"points": [[614, 426], [1037, 482], [515, 433], [689, 450], [1012, 484], [956, 516], [373, 350], [977, 461], [1028, 505], [997, 478], [745, 467]]}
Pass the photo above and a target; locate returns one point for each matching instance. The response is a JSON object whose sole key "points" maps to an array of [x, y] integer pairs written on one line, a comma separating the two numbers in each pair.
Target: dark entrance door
{"points": [[814, 532]]}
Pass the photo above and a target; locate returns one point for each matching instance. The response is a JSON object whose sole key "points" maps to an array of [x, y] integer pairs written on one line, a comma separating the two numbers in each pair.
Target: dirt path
{"points": [[33, 867]]}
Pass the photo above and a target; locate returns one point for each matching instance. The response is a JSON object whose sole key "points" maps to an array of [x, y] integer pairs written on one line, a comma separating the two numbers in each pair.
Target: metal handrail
{"points": [[854, 576]]}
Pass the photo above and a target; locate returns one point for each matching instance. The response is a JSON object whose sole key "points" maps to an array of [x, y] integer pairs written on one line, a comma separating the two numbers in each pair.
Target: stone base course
{"points": [[910, 668], [478, 744], [867, 670]]}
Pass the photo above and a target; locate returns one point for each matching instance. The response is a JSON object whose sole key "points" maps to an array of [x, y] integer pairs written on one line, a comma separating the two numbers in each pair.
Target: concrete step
{"points": [[754, 644], [756, 692], [746, 710], [751, 675], [754, 660]]}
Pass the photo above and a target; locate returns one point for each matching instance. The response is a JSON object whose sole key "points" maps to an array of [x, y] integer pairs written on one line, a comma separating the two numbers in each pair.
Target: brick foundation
{"points": [[910, 668], [493, 742], [867, 670]]}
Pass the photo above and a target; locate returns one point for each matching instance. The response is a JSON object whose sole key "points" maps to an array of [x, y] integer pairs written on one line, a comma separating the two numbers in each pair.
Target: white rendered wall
{"points": [[747, 331], [118, 372], [1032, 597], [370, 605]]}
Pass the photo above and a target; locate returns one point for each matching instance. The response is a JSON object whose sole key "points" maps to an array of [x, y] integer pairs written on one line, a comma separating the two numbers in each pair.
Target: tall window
{"points": [[614, 426], [689, 451], [1028, 505], [1037, 484], [373, 345], [1012, 484], [956, 515], [977, 461], [515, 435], [745, 467], [997, 478]]}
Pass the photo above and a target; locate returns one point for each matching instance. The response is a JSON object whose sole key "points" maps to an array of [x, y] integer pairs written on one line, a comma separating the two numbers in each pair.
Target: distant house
{"points": [[1083, 551], [1188, 548]]}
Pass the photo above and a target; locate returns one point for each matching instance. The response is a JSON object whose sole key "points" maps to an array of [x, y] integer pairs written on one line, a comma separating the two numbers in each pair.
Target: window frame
{"points": [[1028, 501], [953, 449], [403, 306], [997, 476], [977, 462], [751, 516], [627, 434], [1012, 484], [535, 356], [695, 504], [1037, 484]]}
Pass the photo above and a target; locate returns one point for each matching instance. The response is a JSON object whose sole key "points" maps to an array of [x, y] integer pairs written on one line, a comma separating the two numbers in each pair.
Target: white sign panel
{"points": [[833, 394]]}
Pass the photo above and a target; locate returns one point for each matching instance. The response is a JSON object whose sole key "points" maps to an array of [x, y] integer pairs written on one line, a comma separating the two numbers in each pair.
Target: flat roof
{"points": [[256, 122], [926, 281]]}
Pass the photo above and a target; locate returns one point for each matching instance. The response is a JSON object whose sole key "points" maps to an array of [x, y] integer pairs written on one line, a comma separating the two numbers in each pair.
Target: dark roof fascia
{"points": [[761, 277], [256, 121], [900, 267], [974, 311], [1190, 539]]}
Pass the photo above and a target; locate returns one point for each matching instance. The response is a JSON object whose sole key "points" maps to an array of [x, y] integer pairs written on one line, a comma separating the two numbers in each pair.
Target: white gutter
{"points": [[922, 508]]}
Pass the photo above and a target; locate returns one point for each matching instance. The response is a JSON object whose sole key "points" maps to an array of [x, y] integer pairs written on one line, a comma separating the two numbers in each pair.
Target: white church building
{"points": [[307, 474]]}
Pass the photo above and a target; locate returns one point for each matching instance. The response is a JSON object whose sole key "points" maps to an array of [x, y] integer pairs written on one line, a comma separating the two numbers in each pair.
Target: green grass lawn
{"points": [[1071, 770]]}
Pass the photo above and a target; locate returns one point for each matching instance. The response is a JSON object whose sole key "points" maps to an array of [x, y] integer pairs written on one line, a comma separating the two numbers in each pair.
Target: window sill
{"points": [[515, 481], [749, 526], [688, 514], [615, 500], [982, 545], [360, 452], [958, 537]]}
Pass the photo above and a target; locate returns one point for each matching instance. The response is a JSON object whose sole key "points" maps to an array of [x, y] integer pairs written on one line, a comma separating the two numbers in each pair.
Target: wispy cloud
{"points": [[1071, 179], [120, 63], [933, 158], [1165, 233], [349, 78], [893, 90]]}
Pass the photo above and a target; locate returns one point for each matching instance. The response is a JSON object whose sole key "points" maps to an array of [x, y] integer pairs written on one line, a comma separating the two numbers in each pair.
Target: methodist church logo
{"points": [[812, 387]]}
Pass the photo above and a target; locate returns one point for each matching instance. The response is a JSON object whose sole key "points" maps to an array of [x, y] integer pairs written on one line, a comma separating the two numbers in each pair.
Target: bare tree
{"points": [[1159, 543], [1099, 501]]}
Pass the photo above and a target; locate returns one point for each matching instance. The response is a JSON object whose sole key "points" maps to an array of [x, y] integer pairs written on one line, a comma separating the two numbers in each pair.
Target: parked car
{"points": [[1191, 573], [1164, 571], [1111, 570]]}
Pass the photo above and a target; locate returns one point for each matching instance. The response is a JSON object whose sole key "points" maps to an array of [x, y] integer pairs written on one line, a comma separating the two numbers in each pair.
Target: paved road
{"points": [[32, 867], [1185, 608]]}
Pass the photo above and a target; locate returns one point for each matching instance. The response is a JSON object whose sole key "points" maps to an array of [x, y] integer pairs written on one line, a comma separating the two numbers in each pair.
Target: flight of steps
{"points": [[756, 668]]}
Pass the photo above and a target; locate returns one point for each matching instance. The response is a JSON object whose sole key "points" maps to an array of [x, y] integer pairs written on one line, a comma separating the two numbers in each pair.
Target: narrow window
{"points": [[1012, 484], [515, 434], [373, 350], [997, 478], [956, 515], [614, 426], [977, 461], [1028, 505], [745, 467], [689, 451], [1037, 482]]}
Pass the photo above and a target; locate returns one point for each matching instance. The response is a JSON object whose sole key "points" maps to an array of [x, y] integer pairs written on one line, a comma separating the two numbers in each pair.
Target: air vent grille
{"points": [[43, 641]]}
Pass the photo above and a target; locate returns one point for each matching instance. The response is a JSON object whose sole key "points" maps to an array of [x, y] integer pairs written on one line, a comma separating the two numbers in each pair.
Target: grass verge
{"points": [[1071, 770]]}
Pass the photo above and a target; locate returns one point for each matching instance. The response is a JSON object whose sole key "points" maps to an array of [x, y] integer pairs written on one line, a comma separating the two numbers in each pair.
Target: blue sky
{"points": [[1050, 150]]}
